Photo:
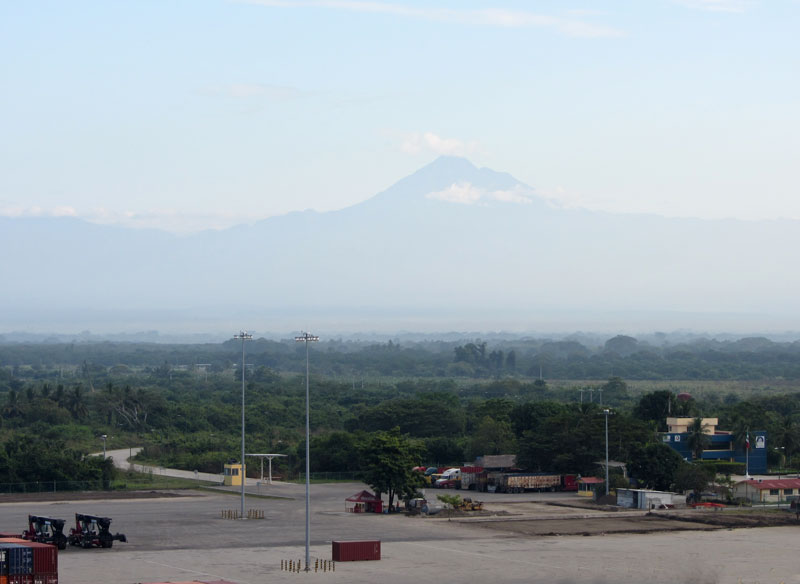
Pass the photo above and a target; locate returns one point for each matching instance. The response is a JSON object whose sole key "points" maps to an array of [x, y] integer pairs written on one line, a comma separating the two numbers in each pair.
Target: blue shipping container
{"points": [[15, 559]]}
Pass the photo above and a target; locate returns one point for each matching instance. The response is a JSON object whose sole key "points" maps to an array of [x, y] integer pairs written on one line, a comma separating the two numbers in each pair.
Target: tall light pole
{"points": [[244, 336], [307, 338], [606, 413]]}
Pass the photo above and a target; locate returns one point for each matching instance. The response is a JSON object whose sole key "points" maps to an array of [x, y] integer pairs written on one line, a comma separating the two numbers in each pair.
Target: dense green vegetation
{"points": [[451, 402], [660, 357]]}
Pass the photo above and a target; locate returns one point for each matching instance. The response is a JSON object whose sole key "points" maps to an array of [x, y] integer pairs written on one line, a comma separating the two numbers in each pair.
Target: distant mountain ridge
{"points": [[450, 240]]}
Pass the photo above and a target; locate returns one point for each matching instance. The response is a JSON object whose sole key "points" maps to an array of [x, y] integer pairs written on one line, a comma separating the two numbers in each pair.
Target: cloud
{"points": [[717, 5], [430, 142], [484, 17], [466, 193], [165, 219], [172, 220], [36, 211]]}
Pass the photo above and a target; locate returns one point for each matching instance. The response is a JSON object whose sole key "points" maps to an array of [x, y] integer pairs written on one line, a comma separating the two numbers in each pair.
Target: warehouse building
{"points": [[767, 490]]}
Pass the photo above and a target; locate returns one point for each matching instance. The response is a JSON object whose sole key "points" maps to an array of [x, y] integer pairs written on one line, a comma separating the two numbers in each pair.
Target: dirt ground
{"points": [[547, 519], [596, 526], [180, 538]]}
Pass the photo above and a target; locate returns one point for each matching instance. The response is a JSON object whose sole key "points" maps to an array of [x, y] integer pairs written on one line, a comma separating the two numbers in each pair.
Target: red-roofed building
{"points": [[363, 502], [767, 490]]}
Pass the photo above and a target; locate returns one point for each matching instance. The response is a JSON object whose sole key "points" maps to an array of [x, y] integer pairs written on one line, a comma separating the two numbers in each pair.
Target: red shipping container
{"points": [[45, 558], [353, 551]]}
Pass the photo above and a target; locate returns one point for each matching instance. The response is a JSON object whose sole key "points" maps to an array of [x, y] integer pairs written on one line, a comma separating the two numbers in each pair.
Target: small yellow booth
{"points": [[588, 485], [233, 474]]}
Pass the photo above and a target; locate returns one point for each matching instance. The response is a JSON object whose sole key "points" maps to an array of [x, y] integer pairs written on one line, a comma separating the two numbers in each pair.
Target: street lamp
{"points": [[244, 336], [307, 338], [103, 437], [606, 413]]}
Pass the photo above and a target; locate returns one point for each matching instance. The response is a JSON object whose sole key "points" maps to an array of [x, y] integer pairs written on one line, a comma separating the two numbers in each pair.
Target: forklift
{"points": [[92, 531], [46, 530]]}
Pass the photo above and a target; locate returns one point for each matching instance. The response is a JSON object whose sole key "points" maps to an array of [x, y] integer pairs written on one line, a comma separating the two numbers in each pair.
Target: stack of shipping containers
{"points": [[26, 562]]}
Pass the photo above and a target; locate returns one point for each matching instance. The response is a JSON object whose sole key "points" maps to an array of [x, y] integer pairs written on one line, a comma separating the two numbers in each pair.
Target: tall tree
{"points": [[656, 406], [698, 440], [654, 466], [387, 459], [76, 404]]}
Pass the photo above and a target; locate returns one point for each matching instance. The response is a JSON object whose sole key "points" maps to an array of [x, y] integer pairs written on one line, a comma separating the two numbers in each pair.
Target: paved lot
{"points": [[184, 538]]}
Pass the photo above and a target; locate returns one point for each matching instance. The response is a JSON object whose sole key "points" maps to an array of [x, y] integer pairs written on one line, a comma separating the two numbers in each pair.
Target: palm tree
{"points": [[789, 437], [697, 438], [12, 406], [60, 396], [75, 403]]}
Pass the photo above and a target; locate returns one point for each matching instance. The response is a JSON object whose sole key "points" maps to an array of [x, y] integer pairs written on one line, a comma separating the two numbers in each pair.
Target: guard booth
{"points": [[233, 474], [588, 485]]}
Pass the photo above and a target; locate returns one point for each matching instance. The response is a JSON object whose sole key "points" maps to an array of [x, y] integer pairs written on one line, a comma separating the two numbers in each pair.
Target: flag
{"points": [[747, 441]]}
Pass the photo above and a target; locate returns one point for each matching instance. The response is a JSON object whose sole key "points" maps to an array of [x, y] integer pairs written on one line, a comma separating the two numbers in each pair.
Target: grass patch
{"points": [[136, 481]]}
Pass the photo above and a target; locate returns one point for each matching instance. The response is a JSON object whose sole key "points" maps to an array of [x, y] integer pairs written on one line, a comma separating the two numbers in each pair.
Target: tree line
{"points": [[621, 356], [191, 421]]}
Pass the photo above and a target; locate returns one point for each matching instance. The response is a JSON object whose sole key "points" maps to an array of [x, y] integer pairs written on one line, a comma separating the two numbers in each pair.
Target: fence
{"points": [[324, 476], [98, 485]]}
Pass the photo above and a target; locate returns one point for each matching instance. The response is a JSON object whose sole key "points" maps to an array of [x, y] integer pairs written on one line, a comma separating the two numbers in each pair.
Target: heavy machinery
{"points": [[468, 504], [46, 530], [416, 506], [93, 531]]}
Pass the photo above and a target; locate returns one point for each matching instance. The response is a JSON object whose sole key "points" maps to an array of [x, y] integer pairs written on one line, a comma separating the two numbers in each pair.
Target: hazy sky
{"points": [[202, 113]]}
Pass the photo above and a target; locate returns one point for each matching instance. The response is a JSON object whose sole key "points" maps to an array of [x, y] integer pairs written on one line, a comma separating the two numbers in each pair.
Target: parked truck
{"points": [[463, 477], [520, 482]]}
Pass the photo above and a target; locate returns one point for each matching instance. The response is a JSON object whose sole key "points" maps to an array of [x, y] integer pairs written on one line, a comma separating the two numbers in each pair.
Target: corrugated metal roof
{"points": [[590, 480], [773, 483]]}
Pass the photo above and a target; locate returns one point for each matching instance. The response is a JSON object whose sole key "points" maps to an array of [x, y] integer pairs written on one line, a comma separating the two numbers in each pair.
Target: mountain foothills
{"points": [[430, 402], [451, 240]]}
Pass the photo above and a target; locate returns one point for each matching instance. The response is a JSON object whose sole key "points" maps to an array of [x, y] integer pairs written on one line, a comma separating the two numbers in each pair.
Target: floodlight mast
{"points": [[606, 413], [306, 338], [243, 336]]}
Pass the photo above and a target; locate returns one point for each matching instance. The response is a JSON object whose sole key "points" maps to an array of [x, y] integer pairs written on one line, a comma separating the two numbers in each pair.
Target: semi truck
{"points": [[463, 477], [520, 482]]}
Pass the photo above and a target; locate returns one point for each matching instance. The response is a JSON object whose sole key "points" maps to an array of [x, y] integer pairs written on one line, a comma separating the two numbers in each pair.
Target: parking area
{"points": [[184, 538]]}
